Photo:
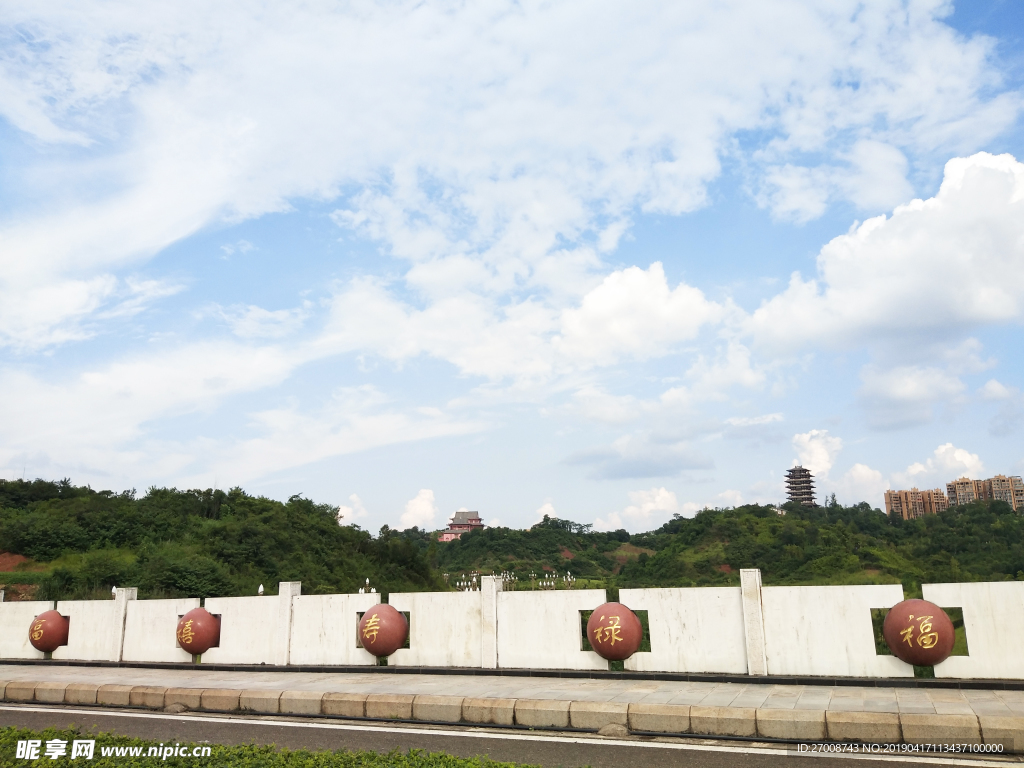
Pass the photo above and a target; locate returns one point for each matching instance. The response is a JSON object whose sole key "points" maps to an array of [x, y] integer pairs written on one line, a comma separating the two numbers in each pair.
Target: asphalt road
{"points": [[545, 749]]}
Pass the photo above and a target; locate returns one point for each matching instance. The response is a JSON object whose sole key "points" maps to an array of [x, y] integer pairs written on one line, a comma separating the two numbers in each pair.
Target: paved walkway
{"points": [[942, 701]]}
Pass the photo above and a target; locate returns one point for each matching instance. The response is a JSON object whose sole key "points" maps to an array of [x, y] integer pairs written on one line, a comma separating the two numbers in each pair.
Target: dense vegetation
{"points": [[825, 545], [203, 543], [121, 750], [194, 543]]}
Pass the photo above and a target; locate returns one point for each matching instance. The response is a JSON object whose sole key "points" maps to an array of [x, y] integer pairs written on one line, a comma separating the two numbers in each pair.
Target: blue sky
{"points": [[604, 262]]}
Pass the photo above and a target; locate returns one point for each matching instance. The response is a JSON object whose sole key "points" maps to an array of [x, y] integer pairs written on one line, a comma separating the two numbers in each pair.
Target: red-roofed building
{"points": [[461, 521]]}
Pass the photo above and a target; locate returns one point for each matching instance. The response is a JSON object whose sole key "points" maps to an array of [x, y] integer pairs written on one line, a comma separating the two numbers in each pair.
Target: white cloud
{"points": [[257, 323], [873, 178], [862, 483], [730, 498], [347, 515], [420, 511], [547, 508], [922, 274], [633, 313], [945, 464], [753, 421], [640, 455], [817, 451], [995, 390], [495, 148], [647, 510], [905, 395]]}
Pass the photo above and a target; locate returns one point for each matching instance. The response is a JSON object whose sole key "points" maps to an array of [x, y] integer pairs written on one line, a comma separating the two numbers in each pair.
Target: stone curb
{"points": [[189, 698], [868, 727], [723, 721], [81, 693], [50, 693], [442, 709], [795, 725], [389, 706], [542, 713], [149, 696], [265, 702], [489, 711], [595, 715], [302, 702]]}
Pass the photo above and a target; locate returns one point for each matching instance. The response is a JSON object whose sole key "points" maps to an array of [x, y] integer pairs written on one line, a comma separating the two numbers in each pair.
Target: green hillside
{"points": [[192, 543], [830, 545], [63, 541]]}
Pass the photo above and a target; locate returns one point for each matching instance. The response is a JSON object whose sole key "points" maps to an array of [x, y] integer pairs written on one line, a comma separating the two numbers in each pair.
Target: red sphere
{"points": [[48, 631], [382, 630], [918, 632], [198, 631], [614, 631]]}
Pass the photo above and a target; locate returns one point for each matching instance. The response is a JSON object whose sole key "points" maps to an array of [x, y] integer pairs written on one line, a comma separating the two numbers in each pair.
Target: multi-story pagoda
{"points": [[800, 486], [462, 521]]}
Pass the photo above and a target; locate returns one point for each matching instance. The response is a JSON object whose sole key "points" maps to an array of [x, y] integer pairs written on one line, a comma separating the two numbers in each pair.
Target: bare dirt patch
{"points": [[567, 554], [15, 592], [8, 561], [725, 568]]}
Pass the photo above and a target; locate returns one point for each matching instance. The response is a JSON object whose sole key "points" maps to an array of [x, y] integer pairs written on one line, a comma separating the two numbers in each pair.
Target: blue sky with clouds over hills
{"points": [[605, 261]]}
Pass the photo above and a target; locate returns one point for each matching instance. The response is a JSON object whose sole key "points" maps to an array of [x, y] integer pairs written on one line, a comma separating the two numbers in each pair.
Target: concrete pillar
{"points": [[121, 597], [490, 586], [286, 590], [753, 621]]}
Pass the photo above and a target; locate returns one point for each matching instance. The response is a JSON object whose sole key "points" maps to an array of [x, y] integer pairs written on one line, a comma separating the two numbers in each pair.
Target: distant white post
{"points": [[753, 621], [490, 586]]}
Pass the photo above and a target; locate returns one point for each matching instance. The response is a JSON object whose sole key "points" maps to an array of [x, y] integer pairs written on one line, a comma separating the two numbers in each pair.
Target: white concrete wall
{"points": [[253, 630], [692, 630], [15, 619], [150, 628], [324, 629], [994, 621], [444, 629], [827, 631], [96, 631], [541, 630]]}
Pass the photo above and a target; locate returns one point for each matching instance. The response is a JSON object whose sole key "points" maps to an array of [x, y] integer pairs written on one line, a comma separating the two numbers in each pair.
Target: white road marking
{"points": [[525, 736]]}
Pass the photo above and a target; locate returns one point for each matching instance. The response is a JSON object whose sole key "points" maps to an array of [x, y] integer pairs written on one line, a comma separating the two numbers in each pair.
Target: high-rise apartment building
{"points": [[998, 488], [1008, 489], [915, 503], [800, 486], [965, 490]]}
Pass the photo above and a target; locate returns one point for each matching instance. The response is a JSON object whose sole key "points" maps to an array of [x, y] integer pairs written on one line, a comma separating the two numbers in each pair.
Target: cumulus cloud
{"points": [[862, 483], [647, 510], [420, 511], [347, 515], [946, 463], [921, 274], [817, 451], [633, 313], [547, 508]]}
